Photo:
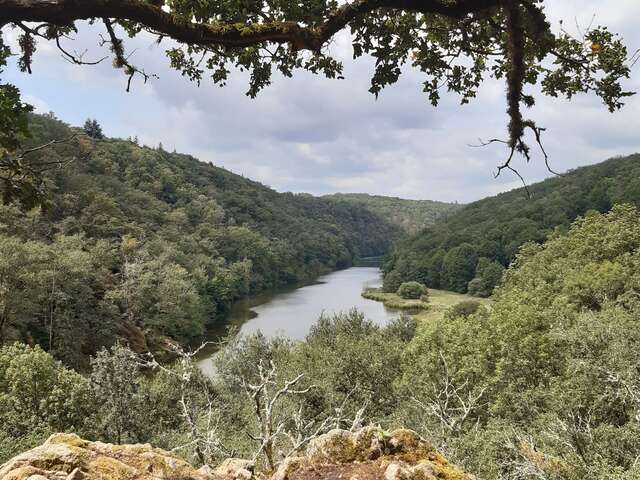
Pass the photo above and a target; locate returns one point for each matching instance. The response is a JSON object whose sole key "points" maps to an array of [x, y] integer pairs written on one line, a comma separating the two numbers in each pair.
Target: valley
{"points": [[141, 255], [139, 244], [326, 292]]}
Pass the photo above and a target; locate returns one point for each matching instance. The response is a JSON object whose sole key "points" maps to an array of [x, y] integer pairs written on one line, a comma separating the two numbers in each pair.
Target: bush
{"points": [[411, 290], [39, 396], [463, 309], [476, 288]]}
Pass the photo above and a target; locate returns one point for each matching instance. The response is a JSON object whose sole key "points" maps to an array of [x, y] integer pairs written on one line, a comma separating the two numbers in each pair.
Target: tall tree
{"points": [[458, 267], [93, 129]]}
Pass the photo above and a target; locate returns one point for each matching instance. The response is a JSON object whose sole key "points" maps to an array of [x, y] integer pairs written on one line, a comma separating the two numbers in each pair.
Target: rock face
{"points": [[370, 454], [68, 457]]}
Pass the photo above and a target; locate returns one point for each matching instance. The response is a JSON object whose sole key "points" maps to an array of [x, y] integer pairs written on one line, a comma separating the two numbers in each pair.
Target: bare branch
{"points": [[453, 404], [121, 60], [76, 58], [265, 404], [202, 420]]}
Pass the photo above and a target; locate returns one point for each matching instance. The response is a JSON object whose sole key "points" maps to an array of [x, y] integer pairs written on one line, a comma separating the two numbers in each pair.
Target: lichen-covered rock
{"points": [[287, 467], [369, 454], [424, 470], [337, 446], [235, 468], [68, 457]]}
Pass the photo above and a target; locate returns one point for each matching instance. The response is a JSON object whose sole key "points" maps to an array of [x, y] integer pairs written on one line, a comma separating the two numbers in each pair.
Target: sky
{"points": [[317, 135]]}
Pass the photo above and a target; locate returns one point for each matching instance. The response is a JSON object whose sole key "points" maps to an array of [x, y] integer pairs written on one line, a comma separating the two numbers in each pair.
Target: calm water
{"points": [[293, 312]]}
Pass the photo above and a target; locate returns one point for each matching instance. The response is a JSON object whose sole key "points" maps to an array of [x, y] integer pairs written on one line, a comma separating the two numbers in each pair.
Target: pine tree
{"points": [[93, 129]]}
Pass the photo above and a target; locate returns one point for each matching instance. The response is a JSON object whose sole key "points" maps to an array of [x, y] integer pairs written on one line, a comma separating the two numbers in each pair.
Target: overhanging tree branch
{"points": [[152, 16]]}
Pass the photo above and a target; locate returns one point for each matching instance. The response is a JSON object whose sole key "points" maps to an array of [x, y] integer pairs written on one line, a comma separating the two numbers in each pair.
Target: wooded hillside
{"points": [[139, 240], [475, 243]]}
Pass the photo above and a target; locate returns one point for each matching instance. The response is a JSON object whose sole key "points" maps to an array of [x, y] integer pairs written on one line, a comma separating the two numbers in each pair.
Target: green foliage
{"points": [[13, 112], [391, 282], [544, 380], [458, 267], [38, 396], [463, 309], [16, 181], [488, 275], [553, 358], [496, 227], [411, 290], [51, 293]]}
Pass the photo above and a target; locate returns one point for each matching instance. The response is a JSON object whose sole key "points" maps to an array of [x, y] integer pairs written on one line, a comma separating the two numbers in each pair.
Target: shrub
{"points": [[477, 288], [463, 309], [39, 396], [411, 290]]}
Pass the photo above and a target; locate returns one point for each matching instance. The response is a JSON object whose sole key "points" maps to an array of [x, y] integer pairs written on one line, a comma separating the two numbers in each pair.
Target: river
{"points": [[292, 312]]}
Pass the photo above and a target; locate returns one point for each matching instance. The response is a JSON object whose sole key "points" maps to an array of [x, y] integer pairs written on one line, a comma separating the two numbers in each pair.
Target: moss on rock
{"points": [[369, 454]]}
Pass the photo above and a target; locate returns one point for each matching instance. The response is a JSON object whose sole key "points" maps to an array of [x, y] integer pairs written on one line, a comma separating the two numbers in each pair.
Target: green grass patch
{"points": [[439, 302], [392, 300]]}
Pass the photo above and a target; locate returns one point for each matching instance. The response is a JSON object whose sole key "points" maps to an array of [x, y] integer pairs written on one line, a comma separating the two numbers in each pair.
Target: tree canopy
{"points": [[456, 44], [543, 383]]}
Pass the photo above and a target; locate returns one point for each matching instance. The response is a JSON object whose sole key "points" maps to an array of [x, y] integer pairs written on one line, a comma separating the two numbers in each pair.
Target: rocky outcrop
{"points": [[370, 454], [68, 457]]}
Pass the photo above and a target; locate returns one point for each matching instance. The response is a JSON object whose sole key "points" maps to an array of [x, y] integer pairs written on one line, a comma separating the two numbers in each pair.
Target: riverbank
{"points": [[393, 300], [439, 302]]}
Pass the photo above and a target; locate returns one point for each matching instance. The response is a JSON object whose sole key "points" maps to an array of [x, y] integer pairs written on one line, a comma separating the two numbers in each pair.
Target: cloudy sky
{"points": [[311, 134]]}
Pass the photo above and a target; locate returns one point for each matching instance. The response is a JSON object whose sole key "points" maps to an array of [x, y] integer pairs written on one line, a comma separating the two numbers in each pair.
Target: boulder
{"points": [[235, 468], [68, 457], [369, 454]]}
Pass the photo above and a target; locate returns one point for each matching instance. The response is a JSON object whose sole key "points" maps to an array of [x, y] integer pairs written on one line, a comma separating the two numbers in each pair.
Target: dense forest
{"points": [[469, 249], [411, 215], [544, 384], [136, 241]]}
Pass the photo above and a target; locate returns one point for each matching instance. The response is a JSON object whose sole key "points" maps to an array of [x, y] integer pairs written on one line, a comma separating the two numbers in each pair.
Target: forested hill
{"points": [[410, 215], [469, 249], [137, 239]]}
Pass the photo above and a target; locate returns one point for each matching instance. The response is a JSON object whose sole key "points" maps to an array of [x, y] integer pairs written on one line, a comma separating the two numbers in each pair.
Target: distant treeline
{"points": [[411, 215]]}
